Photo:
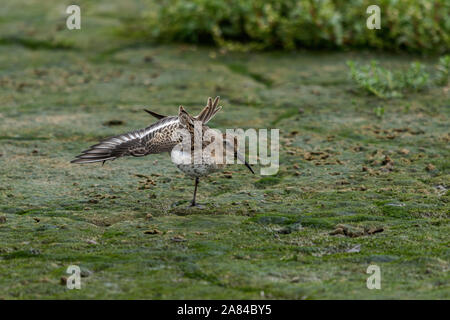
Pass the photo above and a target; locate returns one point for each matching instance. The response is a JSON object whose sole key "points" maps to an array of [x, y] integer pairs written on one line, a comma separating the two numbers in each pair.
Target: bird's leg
{"points": [[193, 204]]}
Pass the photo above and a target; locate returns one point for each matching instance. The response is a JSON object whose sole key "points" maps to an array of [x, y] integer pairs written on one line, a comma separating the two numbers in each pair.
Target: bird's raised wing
{"points": [[156, 138], [212, 107]]}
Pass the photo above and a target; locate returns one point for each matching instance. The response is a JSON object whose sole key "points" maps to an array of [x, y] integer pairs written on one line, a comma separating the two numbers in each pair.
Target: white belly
{"points": [[185, 163]]}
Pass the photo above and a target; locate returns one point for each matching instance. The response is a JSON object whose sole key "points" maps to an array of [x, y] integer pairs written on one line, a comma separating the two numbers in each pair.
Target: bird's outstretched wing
{"points": [[212, 107], [156, 138]]}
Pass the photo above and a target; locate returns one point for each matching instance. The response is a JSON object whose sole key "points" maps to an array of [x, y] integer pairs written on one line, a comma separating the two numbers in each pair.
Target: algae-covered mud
{"points": [[356, 187]]}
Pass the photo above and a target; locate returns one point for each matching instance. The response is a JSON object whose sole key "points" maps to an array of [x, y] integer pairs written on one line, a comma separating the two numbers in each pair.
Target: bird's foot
{"points": [[196, 205]]}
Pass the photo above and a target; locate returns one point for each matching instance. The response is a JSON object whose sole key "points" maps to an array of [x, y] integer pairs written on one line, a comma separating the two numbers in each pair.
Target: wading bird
{"points": [[165, 135]]}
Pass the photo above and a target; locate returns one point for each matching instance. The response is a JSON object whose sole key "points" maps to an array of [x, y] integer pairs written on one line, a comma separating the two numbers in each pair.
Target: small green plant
{"points": [[375, 79], [385, 83], [415, 78], [407, 107], [443, 70], [379, 112]]}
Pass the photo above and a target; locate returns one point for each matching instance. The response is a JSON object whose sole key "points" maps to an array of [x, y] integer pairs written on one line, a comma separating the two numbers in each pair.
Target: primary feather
{"points": [[209, 111], [156, 138]]}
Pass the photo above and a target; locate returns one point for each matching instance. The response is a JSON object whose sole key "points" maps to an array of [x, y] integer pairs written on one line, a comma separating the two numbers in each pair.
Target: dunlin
{"points": [[165, 136]]}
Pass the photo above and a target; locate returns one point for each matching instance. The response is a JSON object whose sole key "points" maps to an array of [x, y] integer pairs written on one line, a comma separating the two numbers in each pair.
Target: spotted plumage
{"points": [[163, 136], [156, 138]]}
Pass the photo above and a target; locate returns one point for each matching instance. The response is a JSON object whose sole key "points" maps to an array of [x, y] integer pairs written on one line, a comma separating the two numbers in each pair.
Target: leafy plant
{"points": [[385, 83], [375, 79], [443, 70], [267, 24], [379, 112]]}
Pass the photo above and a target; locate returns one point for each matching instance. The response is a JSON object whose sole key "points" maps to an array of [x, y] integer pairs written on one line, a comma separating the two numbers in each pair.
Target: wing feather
{"points": [[156, 138], [209, 111]]}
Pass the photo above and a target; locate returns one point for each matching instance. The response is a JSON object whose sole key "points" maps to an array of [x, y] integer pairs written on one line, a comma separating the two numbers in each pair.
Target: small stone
{"points": [[91, 241], [178, 238], [37, 220], [337, 231], [388, 167], [387, 160], [63, 281], [355, 249], [391, 136], [368, 170], [348, 231], [307, 156], [2, 219], [403, 151], [149, 216], [35, 252], [152, 231], [375, 230], [430, 167], [353, 233], [85, 273], [286, 230]]}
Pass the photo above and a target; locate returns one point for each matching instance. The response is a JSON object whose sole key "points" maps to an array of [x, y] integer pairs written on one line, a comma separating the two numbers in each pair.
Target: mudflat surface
{"points": [[353, 189]]}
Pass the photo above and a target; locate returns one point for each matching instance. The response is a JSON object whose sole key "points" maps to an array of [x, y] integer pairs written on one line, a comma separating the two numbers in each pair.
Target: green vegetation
{"points": [[348, 178], [385, 83], [443, 70], [417, 26]]}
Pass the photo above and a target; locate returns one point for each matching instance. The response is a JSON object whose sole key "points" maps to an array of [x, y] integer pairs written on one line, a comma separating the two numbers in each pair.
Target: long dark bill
{"points": [[242, 158], [249, 167]]}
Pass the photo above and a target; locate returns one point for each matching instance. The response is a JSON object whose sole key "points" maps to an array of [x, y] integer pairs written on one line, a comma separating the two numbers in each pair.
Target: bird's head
{"points": [[185, 118]]}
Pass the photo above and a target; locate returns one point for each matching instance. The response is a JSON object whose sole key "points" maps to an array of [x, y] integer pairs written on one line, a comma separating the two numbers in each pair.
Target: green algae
{"points": [[256, 236]]}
